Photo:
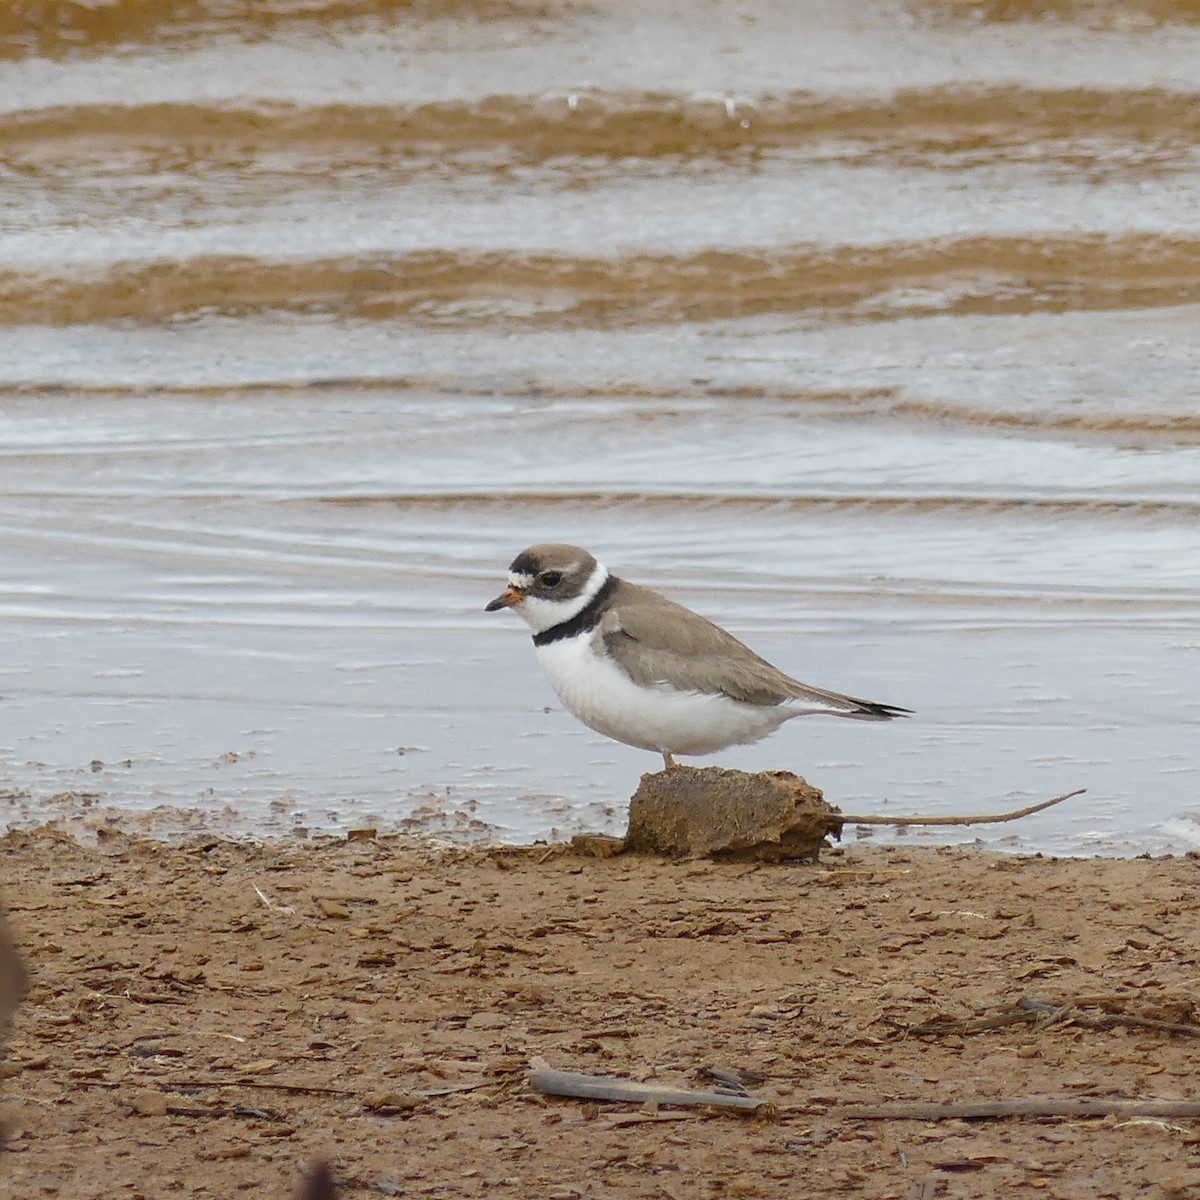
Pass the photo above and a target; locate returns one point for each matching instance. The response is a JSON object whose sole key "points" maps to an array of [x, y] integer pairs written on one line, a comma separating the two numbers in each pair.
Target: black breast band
{"points": [[586, 618]]}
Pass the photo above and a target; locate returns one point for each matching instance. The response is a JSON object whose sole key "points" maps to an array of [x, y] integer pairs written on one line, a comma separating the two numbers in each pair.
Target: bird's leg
{"points": [[668, 762]]}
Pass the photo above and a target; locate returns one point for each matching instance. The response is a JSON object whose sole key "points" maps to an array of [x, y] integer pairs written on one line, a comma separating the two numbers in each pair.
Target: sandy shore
{"points": [[206, 1018]]}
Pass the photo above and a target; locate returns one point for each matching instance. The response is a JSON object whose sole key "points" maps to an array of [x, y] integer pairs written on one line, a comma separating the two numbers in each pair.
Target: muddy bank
{"points": [[967, 276], [204, 1018]]}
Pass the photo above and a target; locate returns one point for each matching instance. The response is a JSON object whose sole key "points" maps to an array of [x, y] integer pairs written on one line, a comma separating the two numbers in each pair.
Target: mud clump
{"points": [[763, 817]]}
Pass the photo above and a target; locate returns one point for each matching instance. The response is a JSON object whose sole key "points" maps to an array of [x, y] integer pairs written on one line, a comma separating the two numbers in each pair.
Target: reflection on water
{"points": [[894, 375]]}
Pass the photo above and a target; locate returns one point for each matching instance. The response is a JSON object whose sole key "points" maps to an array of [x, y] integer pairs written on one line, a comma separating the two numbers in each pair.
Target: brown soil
{"points": [[205, 1018]]}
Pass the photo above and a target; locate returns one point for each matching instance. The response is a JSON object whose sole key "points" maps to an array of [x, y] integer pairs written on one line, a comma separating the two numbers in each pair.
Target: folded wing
{"points": [[663, 643]]}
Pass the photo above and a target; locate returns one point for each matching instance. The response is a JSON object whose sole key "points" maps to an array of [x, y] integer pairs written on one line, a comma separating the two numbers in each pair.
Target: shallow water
{"points": [[870, 333]]}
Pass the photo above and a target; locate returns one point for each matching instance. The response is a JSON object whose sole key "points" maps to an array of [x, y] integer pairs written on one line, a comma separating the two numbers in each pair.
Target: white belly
{"points": [[596, 690]]}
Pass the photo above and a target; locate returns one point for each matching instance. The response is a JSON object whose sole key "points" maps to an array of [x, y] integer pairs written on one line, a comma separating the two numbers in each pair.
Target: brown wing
{"points": [[655, 640]]}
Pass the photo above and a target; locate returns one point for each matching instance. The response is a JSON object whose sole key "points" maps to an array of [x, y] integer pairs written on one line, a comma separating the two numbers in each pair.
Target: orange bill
{"points": [[507, 598]]}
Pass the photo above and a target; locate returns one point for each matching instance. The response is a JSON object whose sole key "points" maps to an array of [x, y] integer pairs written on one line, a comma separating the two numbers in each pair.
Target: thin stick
{"points": [[269, 1085], [1032, 1107], [1116, 1020], [606, 1087], [283, 908], [986, 819], [979, 1025], [1038, 1013]]}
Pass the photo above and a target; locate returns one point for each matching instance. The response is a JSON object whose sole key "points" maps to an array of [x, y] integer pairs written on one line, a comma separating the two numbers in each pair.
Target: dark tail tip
{"points": [[870, 711]]}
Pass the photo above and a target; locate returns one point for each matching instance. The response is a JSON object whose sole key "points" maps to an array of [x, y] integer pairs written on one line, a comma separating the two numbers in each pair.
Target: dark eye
{"points": [[550, 578]]}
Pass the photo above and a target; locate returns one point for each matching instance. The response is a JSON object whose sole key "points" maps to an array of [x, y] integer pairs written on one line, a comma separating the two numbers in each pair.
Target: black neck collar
{"points": [[586, 618]]}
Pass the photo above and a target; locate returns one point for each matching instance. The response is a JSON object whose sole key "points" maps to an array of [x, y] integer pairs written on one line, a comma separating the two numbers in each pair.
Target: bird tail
{"points": [[851, 707], [868, 710]]}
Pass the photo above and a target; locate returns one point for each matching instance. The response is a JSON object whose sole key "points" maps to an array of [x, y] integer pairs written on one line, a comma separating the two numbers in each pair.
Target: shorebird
{"points": [[644, 670]]}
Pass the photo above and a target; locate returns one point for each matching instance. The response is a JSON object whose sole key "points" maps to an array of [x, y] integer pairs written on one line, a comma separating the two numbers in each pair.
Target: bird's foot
{"points": [[668, 762]]}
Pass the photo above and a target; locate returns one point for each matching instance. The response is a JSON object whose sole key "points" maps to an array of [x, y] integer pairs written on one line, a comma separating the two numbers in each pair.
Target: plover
{"points": [[643, 670]]}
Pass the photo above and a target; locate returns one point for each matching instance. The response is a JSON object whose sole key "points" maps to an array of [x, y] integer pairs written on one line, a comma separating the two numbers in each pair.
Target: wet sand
{"points": [[206, 1017]]}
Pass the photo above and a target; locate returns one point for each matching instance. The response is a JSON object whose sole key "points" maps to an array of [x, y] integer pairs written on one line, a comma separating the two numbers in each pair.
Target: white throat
{"points": [[540, 614]]}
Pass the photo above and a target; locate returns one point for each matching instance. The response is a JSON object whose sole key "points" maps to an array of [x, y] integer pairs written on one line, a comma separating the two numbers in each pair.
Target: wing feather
{"points": [[656, 641]]}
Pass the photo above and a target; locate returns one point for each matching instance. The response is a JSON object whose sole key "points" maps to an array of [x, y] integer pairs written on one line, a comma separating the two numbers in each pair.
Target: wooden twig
{"points": [[606, 1087], [982, 819], [1039, 1012], [1117, 1020], [271, 904], [275, 1085], [1037, 1106], [977, 1025], [622, 1120], [452, 1090]]}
